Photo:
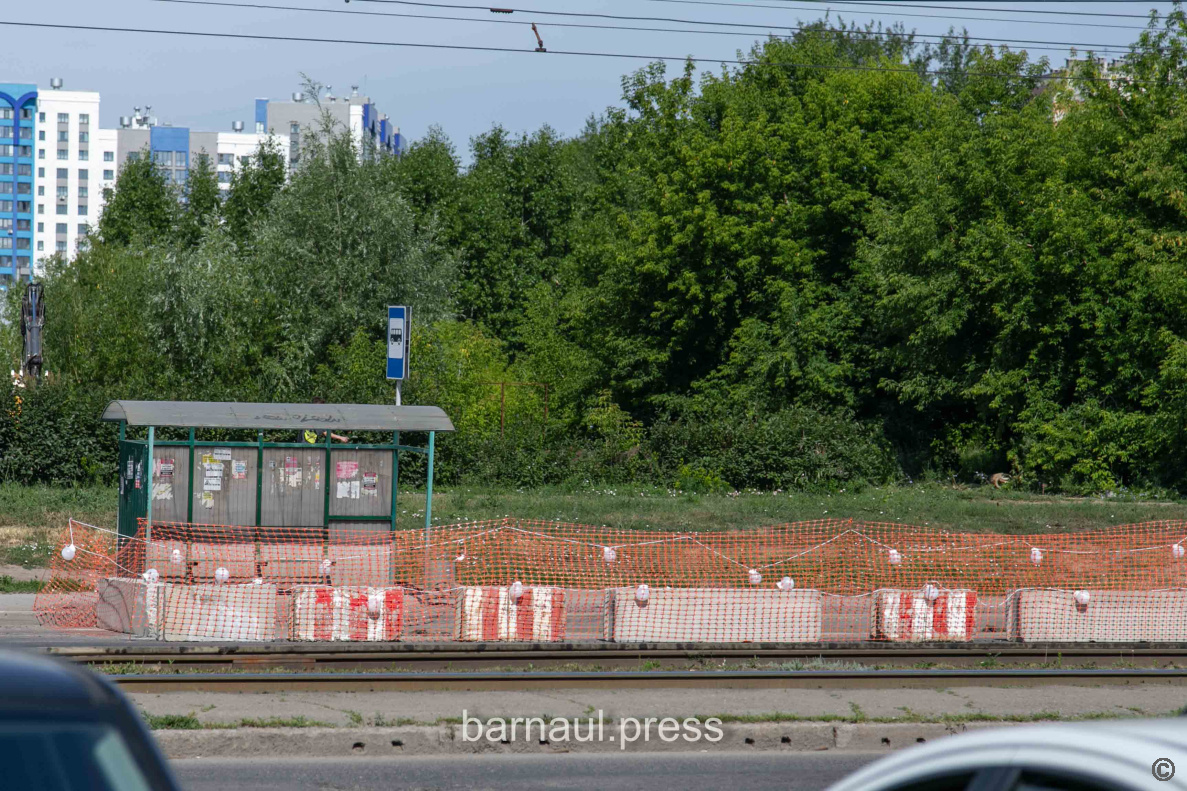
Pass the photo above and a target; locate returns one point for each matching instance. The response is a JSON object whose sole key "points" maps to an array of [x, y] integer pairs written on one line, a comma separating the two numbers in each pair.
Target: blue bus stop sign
{"points": [[398, 323]]}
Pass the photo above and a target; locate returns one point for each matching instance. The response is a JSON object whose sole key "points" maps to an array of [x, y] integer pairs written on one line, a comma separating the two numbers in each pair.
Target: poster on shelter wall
{"points": [[162, 491], [345, 470], [292, 471], [212, 484], [370, 484], [239, 469], [222, 454], [207, 500]]}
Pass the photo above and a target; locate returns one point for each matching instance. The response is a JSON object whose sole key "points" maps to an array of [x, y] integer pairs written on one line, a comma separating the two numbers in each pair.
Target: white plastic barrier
{"points": [[714, 615], [1053, 616], [219, 612], [913, 615], [491, 614], [347, 613], [132, 606]]}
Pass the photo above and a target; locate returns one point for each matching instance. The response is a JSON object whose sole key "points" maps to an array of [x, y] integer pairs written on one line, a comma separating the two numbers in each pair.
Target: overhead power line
{"points": [[1061, 22], [974, 8], [584, 14], [1048, 45], [537, 53]]}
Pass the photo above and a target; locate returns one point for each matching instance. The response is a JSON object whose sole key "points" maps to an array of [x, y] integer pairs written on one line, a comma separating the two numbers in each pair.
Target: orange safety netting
{"points": [[529, 580]]}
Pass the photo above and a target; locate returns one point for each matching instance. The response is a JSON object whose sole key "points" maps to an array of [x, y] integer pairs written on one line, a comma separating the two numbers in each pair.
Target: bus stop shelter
{"points": [[267, 484]]}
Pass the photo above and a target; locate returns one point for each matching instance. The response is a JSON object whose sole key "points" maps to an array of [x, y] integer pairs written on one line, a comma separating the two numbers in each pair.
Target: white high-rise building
{"points": [[71, 155]]}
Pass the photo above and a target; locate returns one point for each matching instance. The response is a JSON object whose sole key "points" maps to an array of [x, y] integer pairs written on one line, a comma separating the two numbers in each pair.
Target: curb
{"points": [[446, 740]]}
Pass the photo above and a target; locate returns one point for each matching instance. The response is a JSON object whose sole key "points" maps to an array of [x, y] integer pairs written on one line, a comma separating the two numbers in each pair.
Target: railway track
{"points": [[682, 679], [472, 657]]}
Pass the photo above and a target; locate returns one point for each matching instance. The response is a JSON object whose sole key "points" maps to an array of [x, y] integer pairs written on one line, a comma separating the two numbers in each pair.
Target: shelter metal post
{"points": [[395, 476], [429, 490], [148, 484], [189, 508]]}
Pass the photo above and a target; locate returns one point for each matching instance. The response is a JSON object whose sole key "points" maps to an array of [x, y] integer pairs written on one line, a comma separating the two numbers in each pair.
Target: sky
{"points": [[207, 83]]}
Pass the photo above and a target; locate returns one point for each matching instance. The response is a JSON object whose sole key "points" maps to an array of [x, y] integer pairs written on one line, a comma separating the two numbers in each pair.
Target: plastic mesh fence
{"points": [[526, 580]]}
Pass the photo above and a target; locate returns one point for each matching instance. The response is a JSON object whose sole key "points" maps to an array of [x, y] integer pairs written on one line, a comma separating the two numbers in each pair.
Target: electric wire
{"points": [[1038, 44], [537, 53]]}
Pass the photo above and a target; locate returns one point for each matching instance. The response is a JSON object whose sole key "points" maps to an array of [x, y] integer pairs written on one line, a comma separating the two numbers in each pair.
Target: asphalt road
{"points": [[653, 772]]}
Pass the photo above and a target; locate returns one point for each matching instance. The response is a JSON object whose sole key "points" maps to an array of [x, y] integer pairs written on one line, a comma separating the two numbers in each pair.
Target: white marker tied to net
{"points": [[931, 592], [68, 552], [609, 555], [516, 590], [785, 584], [374, 604], [894, 557], [755, 577], [175, 557], [221, 574], [1081, 597], [642, 593], [151, 576], [1177, 551], [1036, 555]]}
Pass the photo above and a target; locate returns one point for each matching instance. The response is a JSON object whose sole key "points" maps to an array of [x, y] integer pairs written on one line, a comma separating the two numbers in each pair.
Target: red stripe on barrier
{"points": [[525, 616], [939, 616], [558, 614], [489, 612]]}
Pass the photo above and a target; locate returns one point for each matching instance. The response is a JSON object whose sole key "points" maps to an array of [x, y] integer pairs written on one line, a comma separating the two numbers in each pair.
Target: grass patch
{"points": [[31, 517], [9, 585], [189, 722]]}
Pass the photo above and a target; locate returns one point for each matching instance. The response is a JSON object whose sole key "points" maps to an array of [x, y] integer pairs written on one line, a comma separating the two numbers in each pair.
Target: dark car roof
{"points": [[29, 680]]}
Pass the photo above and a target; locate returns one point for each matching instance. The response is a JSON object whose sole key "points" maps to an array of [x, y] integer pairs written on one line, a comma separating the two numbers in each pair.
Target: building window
{"points": [[41, 208], [5, 168], [82, 229], [60, 227], [162, 157], [40, 227], [24, 206], [82, 209], [24, 151], [5, 223], [63, 136], [6, 113], [84, 137], [82, 192], [63, 118], [26, 133], [82, 155], [63, 192], [109, 156], [24, 170], [63, 153], [224, 177], [41, 134], [40, 246], [61, 245], [83, 174], [6, 206], [22, 243], [107, 193], [133, 156], [61, 209], [5, 150], [26, 113], [5, 243], [226, 159], [41, 153], [41, 117], [24, 188], [84, 118], [108, 174], [23, 225], [41, 190], [63, 173], [40, 173]]}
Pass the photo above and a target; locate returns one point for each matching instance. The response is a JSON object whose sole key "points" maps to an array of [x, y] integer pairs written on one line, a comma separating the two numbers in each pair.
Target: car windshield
{"points": [[67, 757]]}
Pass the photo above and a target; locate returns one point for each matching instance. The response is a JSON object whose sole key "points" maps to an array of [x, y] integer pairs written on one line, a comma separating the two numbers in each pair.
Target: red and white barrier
{"points": [[351, 614], [490, 614], [912, 615]]}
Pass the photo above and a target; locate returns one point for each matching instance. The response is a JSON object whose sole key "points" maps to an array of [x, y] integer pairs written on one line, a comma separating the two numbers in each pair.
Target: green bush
{"points": [[52, 434]]}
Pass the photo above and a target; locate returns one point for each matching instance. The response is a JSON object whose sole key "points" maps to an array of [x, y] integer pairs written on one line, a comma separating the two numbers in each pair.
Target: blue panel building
{"points": [[170, 146], [18, 119]]}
